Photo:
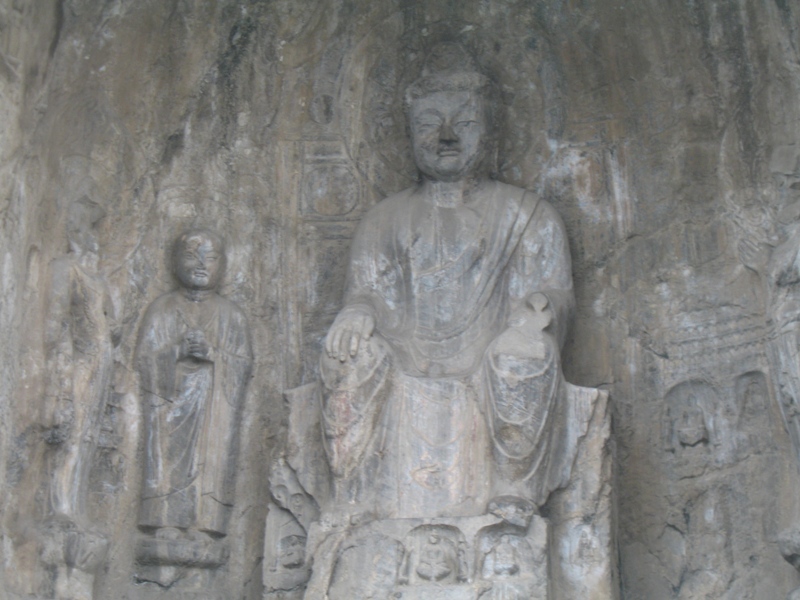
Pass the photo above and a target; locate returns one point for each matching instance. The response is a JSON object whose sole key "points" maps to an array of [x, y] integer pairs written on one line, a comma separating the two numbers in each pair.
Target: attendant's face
{"points": [[199, 263], [448, 131], [292, 550]]}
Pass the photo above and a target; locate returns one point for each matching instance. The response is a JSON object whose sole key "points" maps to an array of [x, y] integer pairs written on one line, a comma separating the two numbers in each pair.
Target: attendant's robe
{"points": [[192, 411], [458, 397]]}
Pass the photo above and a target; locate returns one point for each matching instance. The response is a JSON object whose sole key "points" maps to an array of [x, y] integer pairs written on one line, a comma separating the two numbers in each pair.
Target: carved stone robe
{"points": [[456, 398], [192, 411]]}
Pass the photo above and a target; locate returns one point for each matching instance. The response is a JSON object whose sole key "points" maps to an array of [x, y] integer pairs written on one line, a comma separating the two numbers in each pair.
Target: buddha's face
{"points": [[199, 263], [448, 131]]}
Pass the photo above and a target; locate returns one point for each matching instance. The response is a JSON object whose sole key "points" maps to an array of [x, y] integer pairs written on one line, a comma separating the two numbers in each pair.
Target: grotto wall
{"points": [[664, 134]]}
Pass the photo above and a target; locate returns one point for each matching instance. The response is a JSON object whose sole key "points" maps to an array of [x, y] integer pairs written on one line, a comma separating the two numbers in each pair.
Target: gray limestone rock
{"points": [[664, 136]]}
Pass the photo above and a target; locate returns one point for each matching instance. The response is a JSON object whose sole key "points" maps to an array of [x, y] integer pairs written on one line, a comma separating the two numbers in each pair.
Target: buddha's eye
{"points": [[428, 126], [465, 124]]}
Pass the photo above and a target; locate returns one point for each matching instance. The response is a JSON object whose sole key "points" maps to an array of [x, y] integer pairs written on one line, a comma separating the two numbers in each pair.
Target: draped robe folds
{"points": [[783, 275], [192, 410], [456, 398]]}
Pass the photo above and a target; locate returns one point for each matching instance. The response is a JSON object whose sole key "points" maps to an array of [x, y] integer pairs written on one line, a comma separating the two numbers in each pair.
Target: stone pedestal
{"points": [[432, 559]]}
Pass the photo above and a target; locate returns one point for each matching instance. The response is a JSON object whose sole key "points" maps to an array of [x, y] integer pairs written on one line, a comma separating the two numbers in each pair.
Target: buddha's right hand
{"points": [[352, 324]]}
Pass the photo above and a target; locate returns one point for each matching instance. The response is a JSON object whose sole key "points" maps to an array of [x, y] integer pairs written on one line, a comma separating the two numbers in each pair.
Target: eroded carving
{"points": [[285, 554], [690, 427], [288, 523], [384, 556], [194, 361], [510, 564], [80, 333]]}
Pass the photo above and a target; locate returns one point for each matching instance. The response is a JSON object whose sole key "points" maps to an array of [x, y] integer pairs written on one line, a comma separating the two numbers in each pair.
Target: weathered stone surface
{"points": [[78, 343], [664, 134]]}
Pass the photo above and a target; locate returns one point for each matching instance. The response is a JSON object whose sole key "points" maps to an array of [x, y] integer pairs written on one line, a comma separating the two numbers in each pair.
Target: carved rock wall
{"points": [[664, 133]]}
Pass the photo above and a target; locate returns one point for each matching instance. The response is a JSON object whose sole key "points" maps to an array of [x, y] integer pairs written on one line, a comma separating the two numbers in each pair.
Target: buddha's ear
{"points": [[491, 158]]}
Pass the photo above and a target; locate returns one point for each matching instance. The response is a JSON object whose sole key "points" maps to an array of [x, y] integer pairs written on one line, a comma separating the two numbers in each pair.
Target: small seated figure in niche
{"points": [[687, 421], [691, 430], [437, 560], [502, 560], [194, 360], [434, 554], [691, 427], [508, 570]]}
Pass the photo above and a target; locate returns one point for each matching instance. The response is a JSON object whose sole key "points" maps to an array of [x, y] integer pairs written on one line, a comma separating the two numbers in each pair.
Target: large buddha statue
{"points": [[442, 377], [445, 419]]}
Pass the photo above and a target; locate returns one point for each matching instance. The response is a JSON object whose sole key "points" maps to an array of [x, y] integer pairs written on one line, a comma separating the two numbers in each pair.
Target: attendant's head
{"points": [[451, 113], [199, 259], [82, 218]]}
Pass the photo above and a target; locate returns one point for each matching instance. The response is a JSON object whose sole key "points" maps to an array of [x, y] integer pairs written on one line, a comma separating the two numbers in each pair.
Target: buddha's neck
{"points": [[197, 295], [449, 193]]}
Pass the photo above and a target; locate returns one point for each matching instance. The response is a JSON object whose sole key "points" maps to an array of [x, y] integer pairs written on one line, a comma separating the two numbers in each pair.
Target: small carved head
{"points": [[451, 115], [199, 259], [292, 549]]}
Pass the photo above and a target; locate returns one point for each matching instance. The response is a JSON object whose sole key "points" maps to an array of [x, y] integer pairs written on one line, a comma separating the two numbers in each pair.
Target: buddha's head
{"points": [[451, 113]]}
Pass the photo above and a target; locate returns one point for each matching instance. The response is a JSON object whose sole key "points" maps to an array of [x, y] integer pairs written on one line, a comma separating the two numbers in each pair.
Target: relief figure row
{"points": [[441, 392], [194, 360]]}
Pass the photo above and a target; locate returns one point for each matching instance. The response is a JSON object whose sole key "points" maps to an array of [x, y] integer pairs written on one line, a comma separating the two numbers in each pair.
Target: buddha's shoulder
{"points": [[494, 192], [392, 205], [511, 195], [516, 197], [163, 307]]}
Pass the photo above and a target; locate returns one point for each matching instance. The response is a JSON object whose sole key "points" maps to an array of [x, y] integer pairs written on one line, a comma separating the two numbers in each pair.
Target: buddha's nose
{"points": [[447, 135]]}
